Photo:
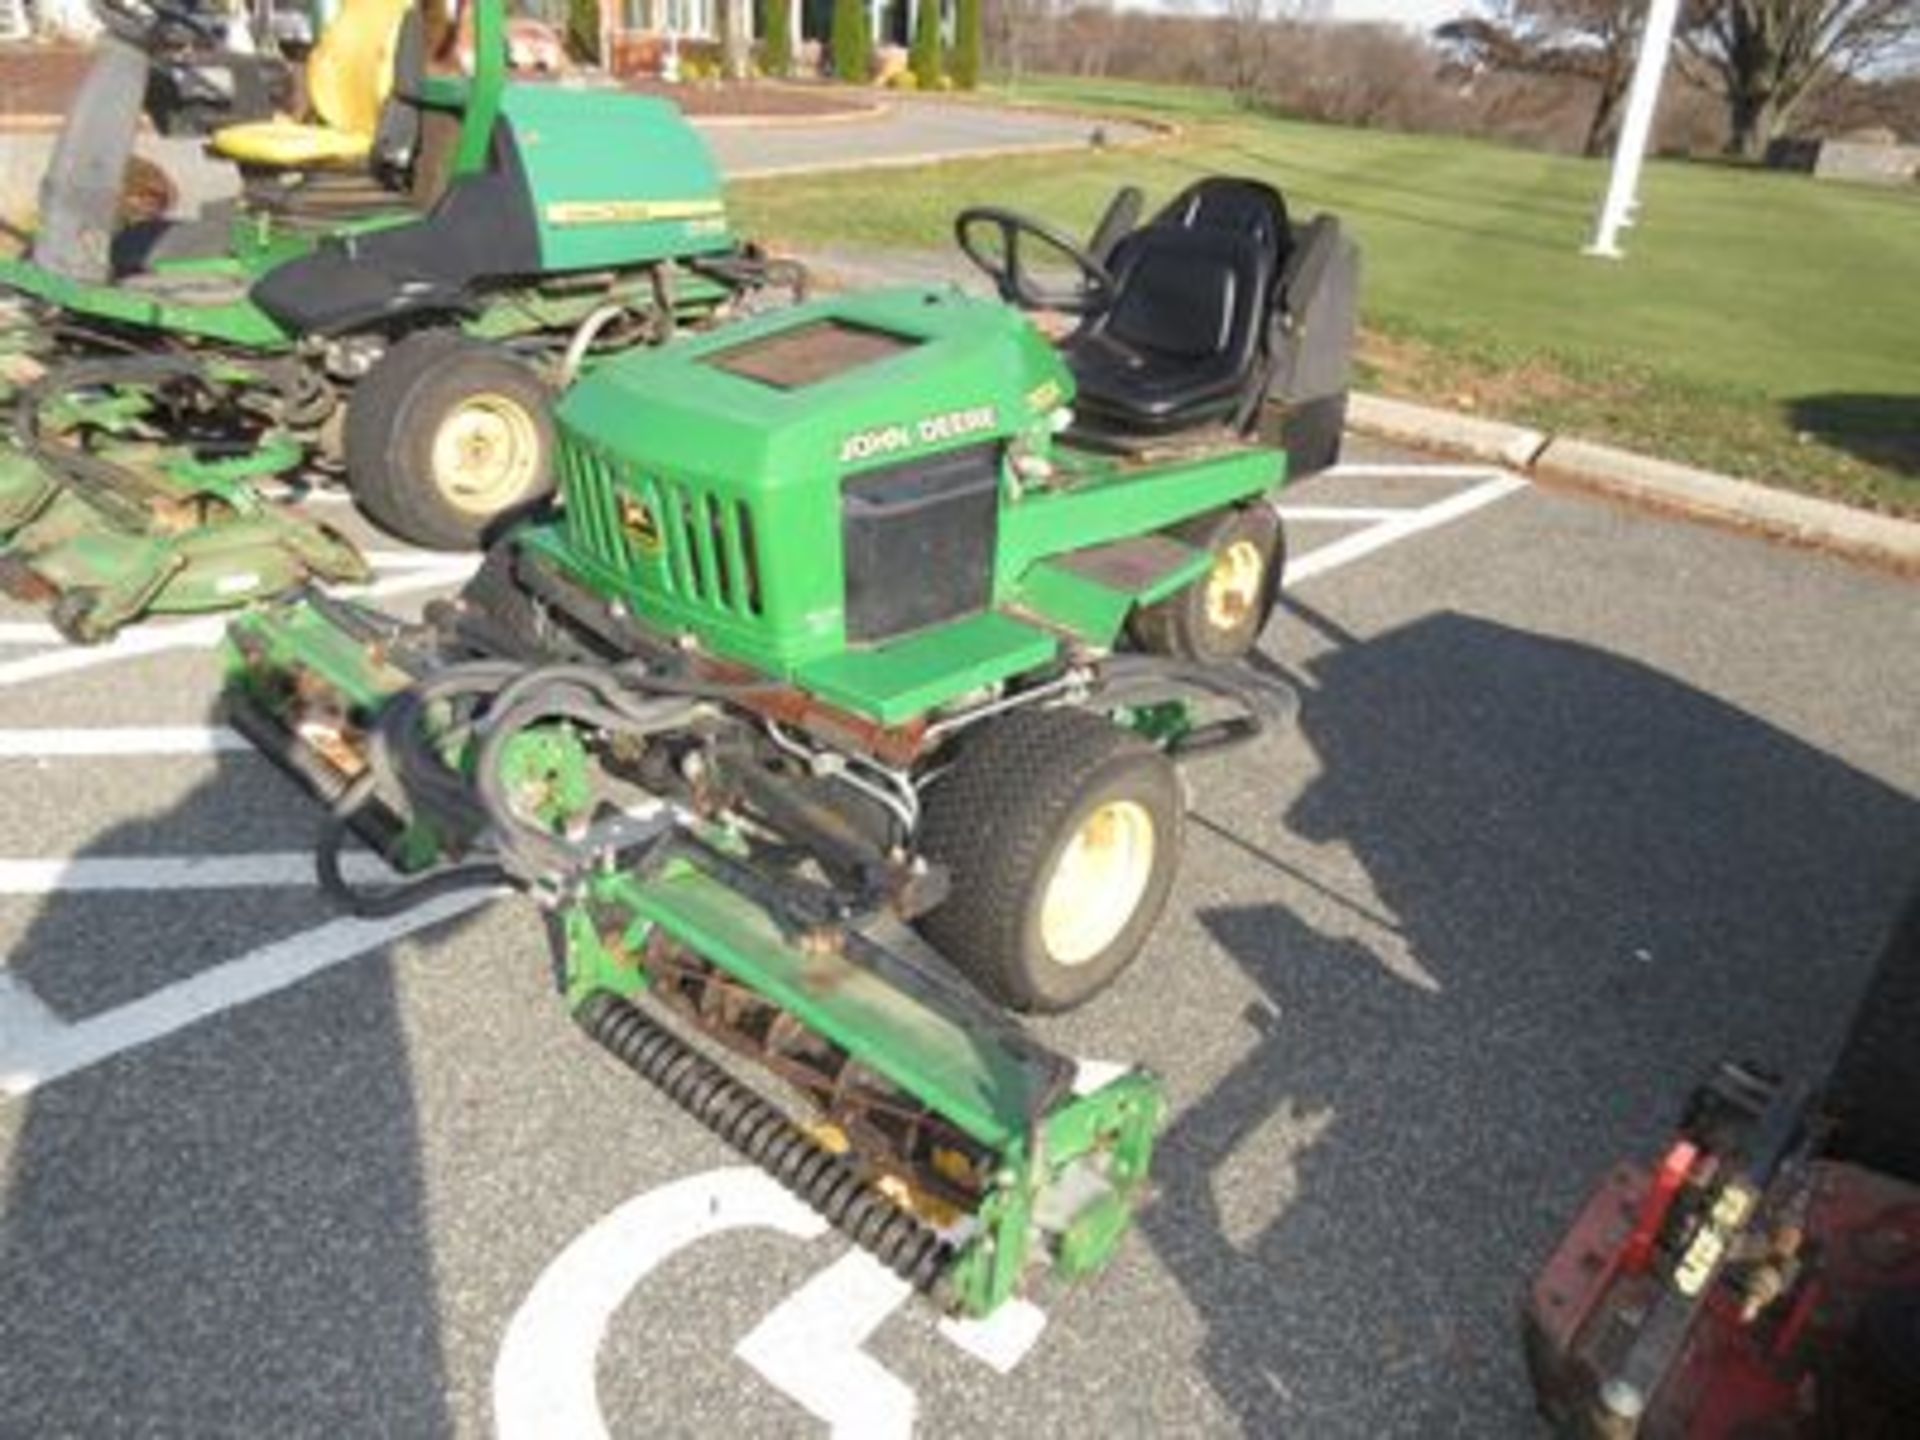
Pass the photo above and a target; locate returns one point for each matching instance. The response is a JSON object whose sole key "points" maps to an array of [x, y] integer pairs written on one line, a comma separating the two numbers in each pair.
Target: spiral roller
{"points": [[762, 1133]]}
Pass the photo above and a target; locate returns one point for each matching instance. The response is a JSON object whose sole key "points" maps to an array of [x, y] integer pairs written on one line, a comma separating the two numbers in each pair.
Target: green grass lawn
{"points": [[1764, 324]]}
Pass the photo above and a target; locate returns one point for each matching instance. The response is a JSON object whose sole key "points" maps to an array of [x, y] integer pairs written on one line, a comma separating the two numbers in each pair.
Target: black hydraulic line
{"points": [[115, 490], [756, 1128], [111, 488], [390, 900], [526, 848], [1136, 679]]}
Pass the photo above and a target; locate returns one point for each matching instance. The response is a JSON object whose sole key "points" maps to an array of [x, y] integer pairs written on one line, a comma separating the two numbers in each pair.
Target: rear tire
{"points": [[1061, 834], [1219, 617], [447, 438]]}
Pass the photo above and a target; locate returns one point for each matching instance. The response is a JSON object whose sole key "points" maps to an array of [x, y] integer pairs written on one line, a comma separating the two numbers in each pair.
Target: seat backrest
{"points": [[1189, 294], [397, 135], [1222, 225], [350, 72], [1224, 202]]}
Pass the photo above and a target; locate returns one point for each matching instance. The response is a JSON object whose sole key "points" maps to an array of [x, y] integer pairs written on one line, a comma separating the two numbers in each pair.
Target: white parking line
{"points": [[809, 1348], [28, 632], [1002, 1340], [97, 874], [205, 634], [28, 1025], [543, 1377], [36, 1057], [415, 560], [1350, 548], [1341, 514], [121, 742]]}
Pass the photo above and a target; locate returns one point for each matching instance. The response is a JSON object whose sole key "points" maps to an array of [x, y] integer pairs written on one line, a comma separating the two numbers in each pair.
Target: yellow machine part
{"points": [[349, 76]]}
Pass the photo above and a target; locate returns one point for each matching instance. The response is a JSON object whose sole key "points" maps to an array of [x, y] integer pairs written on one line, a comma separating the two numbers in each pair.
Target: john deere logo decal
{"points": [[638, 524], [930, 430]]}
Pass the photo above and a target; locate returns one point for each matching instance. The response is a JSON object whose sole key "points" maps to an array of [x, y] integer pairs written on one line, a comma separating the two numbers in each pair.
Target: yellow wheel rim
{"points": [[486, 454], [1233, 588], [1098, 882]]}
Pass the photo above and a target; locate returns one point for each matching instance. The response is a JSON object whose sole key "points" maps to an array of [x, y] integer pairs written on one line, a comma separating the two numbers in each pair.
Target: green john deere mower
{"points": [[836, 708], [404, 282]]}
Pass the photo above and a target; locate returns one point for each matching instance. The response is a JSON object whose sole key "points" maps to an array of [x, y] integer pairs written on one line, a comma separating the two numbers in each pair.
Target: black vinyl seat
{"points": [[1185, 339]]}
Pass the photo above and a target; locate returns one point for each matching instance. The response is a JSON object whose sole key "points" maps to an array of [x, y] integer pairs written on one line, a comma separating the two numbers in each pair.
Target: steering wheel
{"points": [[979, 227], [158, 25]]}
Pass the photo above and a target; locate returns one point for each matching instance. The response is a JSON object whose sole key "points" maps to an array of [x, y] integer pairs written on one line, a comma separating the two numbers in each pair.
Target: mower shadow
{"points": [[1882, 430], [224, 1232], [1612, 880]]}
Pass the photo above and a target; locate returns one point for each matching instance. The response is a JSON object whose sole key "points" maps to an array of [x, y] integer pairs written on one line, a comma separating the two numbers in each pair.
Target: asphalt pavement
{"points": [[1579, 801]]}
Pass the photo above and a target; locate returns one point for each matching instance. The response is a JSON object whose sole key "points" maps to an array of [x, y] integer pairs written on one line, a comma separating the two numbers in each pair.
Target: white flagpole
{"points": [[1636, 130]]}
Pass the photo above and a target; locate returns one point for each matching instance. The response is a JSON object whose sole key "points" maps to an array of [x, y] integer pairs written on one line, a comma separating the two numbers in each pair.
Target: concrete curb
{"points": [[1493, 441], [1702, 494], [1661, 485], [876, 107]]}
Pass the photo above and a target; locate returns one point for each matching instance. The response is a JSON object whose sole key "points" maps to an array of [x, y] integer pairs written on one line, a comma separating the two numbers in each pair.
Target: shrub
{"points": [[966, 44], [923, 60], [779, 43], [852, 43]]}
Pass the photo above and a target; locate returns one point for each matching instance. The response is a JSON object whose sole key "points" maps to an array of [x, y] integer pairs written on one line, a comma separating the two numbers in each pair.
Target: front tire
{"points": [[1061, 834], [1219, 617], [446, 438]]}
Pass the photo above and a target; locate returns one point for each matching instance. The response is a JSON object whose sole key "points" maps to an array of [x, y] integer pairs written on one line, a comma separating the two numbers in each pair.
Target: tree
{"points": [[779, 47], [1591, 40], [1249, 45], [583, 31], [966, 44], [851, 42], [923, 55], [1020, 32], [1766, 56]]}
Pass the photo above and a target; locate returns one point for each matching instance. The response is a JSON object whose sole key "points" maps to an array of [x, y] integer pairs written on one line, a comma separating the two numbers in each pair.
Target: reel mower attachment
{"points": [[941, 1137], [915, 1115], [131, 490]]}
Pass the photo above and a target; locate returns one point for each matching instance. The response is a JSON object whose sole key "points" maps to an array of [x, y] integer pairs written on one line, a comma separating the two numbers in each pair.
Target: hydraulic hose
{"points": [[1142, 678], [385, 902], [494, 701], [116, 490]]}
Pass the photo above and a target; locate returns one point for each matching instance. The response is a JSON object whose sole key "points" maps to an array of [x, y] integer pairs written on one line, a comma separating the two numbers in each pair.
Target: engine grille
{"points": [[699, 546]]}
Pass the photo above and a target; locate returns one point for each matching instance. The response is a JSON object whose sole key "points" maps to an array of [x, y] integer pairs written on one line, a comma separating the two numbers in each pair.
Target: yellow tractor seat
{"points": [[289, 145], [349, 76]]}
